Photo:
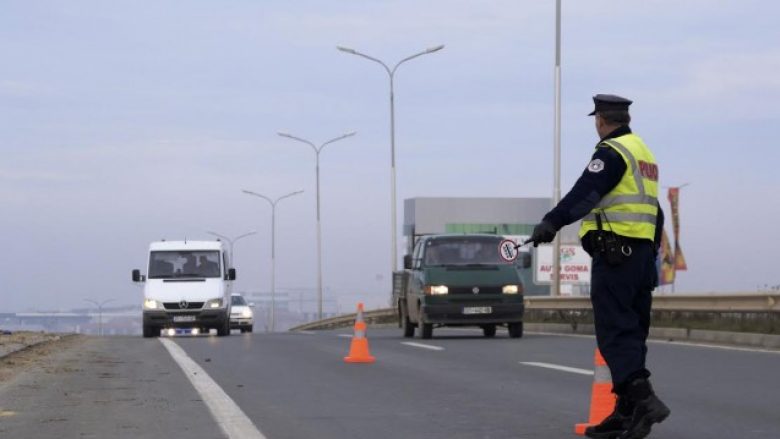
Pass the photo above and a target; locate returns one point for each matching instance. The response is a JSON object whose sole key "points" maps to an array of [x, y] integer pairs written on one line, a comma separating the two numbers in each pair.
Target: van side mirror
{"points": [[137, 276], [251, 304], [407, 262], [524, 259], [231, 274]]}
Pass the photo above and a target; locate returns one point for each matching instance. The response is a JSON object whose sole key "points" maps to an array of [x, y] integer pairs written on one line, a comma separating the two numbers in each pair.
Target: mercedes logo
{"points": [[475, 290], [183, 304]]}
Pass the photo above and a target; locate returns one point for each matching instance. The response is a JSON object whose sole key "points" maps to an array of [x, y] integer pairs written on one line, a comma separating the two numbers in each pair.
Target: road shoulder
{"points": [[89, 387]]}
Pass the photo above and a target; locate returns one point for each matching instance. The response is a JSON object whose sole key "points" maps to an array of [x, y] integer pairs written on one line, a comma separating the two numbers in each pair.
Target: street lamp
{"points": [[231, 242], [317, 151], [273, 246], [391, 74], [100, 312], [556, 267]]}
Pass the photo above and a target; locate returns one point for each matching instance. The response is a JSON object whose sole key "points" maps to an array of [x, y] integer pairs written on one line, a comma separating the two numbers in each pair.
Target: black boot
{"points": [[614, 424], [648, 409]]}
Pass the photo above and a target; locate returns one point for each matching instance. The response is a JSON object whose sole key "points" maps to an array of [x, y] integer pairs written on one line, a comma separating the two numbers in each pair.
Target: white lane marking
{"points": [[673, 342], [561, 368], [715, 346], [423, 346], [345, 335], [231, 419]]}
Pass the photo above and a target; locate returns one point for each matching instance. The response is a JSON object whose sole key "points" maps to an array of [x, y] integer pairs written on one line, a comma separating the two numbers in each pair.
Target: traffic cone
{"points": [[602, 400], [358, 350]]}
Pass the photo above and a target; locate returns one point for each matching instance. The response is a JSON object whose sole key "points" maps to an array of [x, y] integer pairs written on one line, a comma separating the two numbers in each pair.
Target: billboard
{"points": [[575, 265]]}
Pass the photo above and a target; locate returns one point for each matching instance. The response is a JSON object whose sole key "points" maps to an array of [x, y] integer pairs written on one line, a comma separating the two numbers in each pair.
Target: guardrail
{"points": [[688, 304], [377, 316], [748, 302]]}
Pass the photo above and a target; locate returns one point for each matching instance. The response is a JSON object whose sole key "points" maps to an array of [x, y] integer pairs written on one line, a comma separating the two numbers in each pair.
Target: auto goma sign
{"points": [[575, 265]]}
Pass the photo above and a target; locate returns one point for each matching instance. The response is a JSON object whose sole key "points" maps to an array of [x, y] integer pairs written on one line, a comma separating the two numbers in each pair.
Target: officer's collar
{"points": [[620, 131]]}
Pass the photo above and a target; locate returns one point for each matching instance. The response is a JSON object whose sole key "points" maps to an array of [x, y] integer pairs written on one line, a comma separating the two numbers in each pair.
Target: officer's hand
{"points": [[543, 232]]}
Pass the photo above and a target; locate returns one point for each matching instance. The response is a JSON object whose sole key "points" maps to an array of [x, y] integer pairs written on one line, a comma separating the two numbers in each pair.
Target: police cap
{"points": [[609, 102]]}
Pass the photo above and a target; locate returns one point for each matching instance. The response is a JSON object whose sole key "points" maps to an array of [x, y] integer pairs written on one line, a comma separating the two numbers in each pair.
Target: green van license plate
{"points": [[470, 310]]}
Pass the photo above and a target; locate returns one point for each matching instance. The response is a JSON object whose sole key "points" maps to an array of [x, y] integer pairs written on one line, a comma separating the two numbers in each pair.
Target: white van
{"points": [[188, 285]]}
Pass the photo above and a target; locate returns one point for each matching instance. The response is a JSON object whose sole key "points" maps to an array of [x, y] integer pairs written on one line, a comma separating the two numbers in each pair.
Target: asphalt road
{"points": [[457, 385]]}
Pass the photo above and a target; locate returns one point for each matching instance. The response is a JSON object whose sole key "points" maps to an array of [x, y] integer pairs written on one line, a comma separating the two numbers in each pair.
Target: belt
{"points": [[589, 240]]}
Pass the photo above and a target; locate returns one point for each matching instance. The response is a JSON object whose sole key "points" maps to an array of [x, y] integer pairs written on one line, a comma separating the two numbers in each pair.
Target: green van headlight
{"points": [[436, 290], [510, 289]]}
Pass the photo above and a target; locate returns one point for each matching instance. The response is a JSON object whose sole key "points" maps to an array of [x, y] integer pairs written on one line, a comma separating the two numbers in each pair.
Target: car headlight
{"points": [[247, 313], [152, 304], [510, 289], [436, 290], [214, 303]]}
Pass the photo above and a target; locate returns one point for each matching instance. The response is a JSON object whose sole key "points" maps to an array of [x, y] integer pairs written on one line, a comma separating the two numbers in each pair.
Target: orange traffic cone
{"points": [[602, 400], [358, 350]]}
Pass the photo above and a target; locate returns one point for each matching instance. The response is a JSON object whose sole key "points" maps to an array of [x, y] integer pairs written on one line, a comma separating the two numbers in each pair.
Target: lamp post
{"points": [[556, 267], [391, 74], [231, 242], [317, 151], [99, 306], [273, 246]]}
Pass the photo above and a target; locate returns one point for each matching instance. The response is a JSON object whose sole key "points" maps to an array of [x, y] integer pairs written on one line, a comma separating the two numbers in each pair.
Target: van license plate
{"points": [[477, 310], [183, 318]]}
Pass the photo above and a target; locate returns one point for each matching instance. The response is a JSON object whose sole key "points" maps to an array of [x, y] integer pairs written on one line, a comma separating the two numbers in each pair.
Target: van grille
{"points": [[470, 290], [177, 305]]}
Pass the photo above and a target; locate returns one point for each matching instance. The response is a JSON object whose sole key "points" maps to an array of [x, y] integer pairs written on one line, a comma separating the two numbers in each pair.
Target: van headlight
{"points": [[152, 304], [436, 290], [247, 314], [510, 289], [214, 303]]}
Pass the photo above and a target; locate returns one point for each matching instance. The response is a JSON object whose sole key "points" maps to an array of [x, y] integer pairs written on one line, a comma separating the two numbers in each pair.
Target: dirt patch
{"points": [[35, 356], [24, 337]]}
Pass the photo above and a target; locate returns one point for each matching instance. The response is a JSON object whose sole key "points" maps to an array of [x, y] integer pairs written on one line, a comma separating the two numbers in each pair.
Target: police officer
{"points": [[616, 198]]}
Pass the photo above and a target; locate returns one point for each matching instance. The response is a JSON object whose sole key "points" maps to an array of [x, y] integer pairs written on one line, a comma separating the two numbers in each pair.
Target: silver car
{"points": [[241, 314]]}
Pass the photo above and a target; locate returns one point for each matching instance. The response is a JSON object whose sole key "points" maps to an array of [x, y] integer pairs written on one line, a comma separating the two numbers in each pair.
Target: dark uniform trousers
{"points": [[622, 297]]}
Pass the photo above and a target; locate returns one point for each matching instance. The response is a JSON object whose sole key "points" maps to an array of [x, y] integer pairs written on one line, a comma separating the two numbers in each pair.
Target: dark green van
{"points": [[459, 280]]}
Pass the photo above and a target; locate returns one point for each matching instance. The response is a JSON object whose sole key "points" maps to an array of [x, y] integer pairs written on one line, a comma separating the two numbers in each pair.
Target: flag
{"points": [[674, 200], [666, 270]]}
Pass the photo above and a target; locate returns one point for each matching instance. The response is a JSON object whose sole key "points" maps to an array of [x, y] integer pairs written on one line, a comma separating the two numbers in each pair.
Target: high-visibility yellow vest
{"points": [[631, 208]]}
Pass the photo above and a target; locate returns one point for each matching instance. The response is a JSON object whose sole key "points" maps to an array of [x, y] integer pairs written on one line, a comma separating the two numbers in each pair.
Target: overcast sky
{"points": [[124, 122]]}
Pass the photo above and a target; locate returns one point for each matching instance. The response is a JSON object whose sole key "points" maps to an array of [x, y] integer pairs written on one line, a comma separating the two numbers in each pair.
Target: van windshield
{"points": [[176, 264], [462, 251]]}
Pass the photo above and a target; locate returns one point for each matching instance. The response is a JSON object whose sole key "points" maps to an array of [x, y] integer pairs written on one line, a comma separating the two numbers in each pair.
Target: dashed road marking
{"points": [[422, 346], [229, 416], [345, 335], [715, 346], [558, 367], [671, 342]]}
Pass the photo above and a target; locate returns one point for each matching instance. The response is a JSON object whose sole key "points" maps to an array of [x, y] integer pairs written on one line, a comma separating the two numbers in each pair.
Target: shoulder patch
{"points": [[596, 165]]}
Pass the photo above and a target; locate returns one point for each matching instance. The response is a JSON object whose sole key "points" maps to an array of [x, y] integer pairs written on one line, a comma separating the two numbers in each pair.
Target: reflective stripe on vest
{"points": [[627, 199], [613, 217], [627, 211]]}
